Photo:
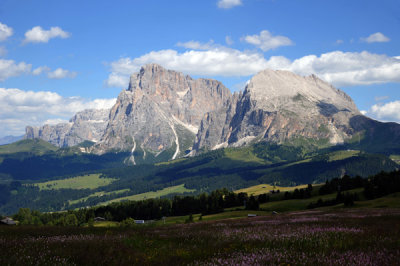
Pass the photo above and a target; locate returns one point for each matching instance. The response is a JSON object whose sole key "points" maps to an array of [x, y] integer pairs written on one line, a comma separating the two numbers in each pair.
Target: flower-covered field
{"points": [[345, 237]]}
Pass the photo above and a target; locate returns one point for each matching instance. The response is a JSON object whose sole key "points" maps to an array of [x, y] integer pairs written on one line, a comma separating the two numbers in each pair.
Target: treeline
{"points": [[375, 186], [303, 193], [346, 198], [151, 209], [342, 184], [382, 184]]}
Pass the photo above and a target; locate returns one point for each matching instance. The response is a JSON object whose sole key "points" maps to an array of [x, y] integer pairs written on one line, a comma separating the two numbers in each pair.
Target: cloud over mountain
{"points": [[19, 108], [387, 112], [210, 60], [344, 68], [217, 61]]}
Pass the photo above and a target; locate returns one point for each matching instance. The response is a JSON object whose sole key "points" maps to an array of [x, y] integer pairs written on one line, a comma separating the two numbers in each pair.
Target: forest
{"points": [[215, 202]]}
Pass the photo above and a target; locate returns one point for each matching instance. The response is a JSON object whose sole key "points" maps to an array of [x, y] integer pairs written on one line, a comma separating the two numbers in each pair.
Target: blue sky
{"points": [[58, 57]]}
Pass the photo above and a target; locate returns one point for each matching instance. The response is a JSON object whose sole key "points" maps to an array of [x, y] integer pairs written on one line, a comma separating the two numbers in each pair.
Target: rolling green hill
{"points": [[232, 168], [33, 146]]}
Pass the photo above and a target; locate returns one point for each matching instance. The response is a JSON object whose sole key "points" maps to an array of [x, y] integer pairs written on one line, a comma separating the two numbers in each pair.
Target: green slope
{"points": [[232, 168], [33, 146]]}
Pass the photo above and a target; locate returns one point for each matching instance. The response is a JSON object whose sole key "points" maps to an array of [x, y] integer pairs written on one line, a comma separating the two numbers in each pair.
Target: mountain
{"points": [[10, 139], [165, 115], [282, 129], [159, 114], [86, 125], [280, 106]]}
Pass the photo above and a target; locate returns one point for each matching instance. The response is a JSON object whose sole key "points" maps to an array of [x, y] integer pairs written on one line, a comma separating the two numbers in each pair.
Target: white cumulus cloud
{"points": [[344, 68], [376, 37], [38, 34], [218, 61], [40, 70], [228, 3], [266, 41], [5, 32], [386, 112], [9, 68], [19, 108], [211, 60], [60, 73]]}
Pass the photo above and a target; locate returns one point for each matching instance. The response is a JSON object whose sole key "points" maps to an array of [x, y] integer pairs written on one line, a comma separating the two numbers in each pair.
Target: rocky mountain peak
{"points": [[161, 110], [154, 79], [272, 87], [279, 106], [85, 125]]}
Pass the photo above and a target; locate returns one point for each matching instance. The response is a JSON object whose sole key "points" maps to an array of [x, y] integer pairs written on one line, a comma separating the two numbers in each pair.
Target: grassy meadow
{"points": [[98, 194], [36, 146], [347, 236], [153, 194], [91, 181], [265, 188]]}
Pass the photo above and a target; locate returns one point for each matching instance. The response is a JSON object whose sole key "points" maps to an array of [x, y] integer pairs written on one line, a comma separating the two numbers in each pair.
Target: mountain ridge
{"points": [[85, 125], [164, 114]]}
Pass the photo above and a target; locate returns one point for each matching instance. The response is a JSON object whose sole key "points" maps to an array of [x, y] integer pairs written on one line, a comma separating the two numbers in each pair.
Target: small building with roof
{"points": [[8, 221]]}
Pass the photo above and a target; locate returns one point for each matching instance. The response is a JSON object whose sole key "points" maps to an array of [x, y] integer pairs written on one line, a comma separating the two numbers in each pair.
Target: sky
{"points": [[58, 57]]}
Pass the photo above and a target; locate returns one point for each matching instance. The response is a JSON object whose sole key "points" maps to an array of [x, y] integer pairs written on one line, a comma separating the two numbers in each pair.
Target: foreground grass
{"points": [[91, 181], [342, 237]]}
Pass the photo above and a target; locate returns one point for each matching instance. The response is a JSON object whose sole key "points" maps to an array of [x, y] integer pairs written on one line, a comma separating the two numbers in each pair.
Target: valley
{"points": [[64, 177], [367, 231], [222, 132]]}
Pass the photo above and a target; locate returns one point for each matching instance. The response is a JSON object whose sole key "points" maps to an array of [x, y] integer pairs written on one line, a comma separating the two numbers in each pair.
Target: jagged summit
{"points": [[278, 106], [160, 112], [273, 86]]}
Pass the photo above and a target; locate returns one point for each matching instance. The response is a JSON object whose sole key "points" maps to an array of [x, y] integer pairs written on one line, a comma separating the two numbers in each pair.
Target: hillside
{"points": [[232, 168], [34, 146]]}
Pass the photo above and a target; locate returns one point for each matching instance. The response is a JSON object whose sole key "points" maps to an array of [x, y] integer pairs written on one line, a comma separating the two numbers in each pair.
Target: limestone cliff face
{"points": [[278, 106], [86, 125], [161, 110]]}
